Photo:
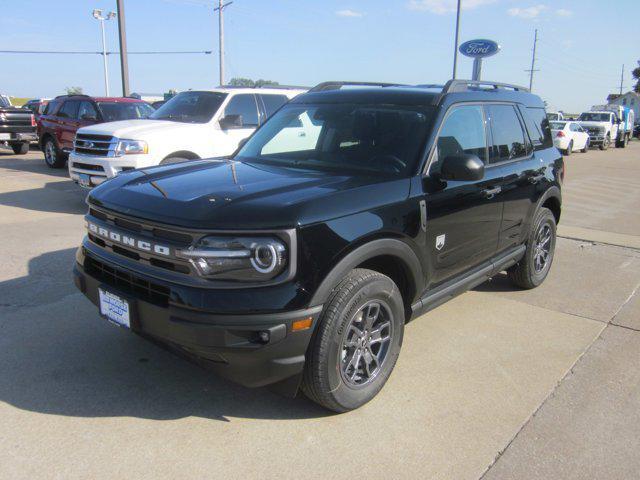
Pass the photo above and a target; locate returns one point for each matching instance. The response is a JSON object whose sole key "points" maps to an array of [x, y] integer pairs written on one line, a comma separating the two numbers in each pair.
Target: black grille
{"points": [[127, 282], [87, 166]]}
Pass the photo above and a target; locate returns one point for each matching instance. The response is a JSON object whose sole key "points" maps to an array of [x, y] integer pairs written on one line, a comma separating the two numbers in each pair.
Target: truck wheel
{"points": [[534, 266], [569, 149], [20, 148], [605, 143], [52, 155], [356, 343]]}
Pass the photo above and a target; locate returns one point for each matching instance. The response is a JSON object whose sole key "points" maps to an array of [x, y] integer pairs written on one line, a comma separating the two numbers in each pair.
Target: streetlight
{"points": [[97, 14]]}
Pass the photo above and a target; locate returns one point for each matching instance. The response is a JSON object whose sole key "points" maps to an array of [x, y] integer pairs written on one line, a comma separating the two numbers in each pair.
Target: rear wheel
{"points": [[534, 266], [53, 157], [586, 146], [569, 149], [356, 343], [171, 160], [20, 148]]}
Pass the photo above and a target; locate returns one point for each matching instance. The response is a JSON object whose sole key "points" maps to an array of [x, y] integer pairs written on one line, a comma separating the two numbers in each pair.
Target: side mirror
{"points": [[231, 121], [463, 167]]}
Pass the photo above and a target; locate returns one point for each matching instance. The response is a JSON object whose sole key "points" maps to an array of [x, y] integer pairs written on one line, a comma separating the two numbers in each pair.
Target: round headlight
{"points": [[264, 258]]}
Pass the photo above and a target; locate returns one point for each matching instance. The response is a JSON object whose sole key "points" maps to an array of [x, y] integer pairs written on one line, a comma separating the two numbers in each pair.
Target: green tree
{"points": [[636, 75], [73, 90]]}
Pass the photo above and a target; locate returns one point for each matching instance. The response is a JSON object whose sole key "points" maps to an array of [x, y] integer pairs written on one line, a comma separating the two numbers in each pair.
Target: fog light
{"points": [[264, 337]]}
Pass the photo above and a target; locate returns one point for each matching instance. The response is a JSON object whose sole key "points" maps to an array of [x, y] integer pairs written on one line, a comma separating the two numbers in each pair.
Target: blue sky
{"points": [[583, 43]]}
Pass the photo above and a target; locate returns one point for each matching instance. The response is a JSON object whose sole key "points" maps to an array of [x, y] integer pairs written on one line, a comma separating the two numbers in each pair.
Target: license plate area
{"points": [[84, 180], [115, 308]]}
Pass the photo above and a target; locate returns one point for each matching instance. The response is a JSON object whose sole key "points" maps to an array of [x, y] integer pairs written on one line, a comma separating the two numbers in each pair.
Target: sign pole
{"points": [[477, 69]]}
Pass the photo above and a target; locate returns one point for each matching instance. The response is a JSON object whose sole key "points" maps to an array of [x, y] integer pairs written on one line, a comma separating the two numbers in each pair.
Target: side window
{"points": [[69, 109], [508, 136], [273, 102], [50, 108], [244, 104], [87, 111], [463, 131], [538, 127]]}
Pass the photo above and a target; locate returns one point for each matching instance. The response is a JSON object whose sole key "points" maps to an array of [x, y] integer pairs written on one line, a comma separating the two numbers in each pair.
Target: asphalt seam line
{"points": [[594, 242]]}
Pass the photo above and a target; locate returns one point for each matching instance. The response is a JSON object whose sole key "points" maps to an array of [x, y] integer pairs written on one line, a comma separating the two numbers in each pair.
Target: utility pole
{"points": [[621, 78], [533, 60], [455, 47], [97, 14], [220, 9], [122, 36]]}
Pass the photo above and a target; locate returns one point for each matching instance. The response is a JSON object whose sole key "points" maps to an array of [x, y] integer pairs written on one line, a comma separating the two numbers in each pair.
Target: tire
{"points": [[527, 273], [586, 147], [569, 149], [20, 148], [605, 143], [172, 160], [331, 378], [53, 157]]}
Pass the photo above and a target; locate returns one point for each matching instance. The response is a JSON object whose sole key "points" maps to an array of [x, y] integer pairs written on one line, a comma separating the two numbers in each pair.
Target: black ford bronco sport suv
{"points": [[297, 261]]}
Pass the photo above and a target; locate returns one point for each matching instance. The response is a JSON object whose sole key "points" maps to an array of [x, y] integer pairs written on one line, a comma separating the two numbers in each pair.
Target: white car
{"points": [[569, 137], [192, 125]]}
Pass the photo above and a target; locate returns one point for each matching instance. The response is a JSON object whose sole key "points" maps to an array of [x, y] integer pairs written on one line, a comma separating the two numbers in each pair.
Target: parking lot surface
{"points": [[498, 383]]}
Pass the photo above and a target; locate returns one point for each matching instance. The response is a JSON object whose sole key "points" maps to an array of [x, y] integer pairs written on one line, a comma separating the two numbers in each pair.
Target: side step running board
{"points": [[459, 285]]}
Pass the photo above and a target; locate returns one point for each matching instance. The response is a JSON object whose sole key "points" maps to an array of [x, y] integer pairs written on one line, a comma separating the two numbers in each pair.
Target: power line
{"points": [[84, 52]]}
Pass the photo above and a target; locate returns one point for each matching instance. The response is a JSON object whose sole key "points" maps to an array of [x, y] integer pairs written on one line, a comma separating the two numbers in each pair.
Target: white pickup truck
{"points": [[626, 120], [192, 125], [602, 127]]}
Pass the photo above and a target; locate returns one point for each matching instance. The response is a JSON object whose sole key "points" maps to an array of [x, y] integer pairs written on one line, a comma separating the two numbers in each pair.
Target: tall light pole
{"points": [[455, 47], [97, 14], [220, 8]]}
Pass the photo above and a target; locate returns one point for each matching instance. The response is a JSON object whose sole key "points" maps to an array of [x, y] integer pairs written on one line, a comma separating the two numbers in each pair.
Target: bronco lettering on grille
{"points": [[129, 241]]}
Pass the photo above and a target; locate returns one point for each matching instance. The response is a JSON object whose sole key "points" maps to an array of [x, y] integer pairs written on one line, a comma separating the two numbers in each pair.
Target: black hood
{"points": [[225, 194]]}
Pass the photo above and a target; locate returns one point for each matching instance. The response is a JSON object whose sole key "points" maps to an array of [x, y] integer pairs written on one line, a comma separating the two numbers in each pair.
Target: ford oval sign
{"points": [[479, 48]]}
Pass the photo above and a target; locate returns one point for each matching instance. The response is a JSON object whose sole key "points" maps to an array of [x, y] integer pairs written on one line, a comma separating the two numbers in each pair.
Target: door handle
{"points": [[536, 178], [491, 192]]}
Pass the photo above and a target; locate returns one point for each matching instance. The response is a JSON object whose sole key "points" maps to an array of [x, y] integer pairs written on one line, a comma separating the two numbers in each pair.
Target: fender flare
{"points": [[386, 246], [552, 192]]}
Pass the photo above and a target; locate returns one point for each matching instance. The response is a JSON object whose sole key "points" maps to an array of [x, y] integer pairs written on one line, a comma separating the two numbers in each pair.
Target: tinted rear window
{"points": [[538, 127]]}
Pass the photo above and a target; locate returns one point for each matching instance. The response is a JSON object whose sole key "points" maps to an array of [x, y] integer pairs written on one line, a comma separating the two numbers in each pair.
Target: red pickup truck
{"points": [[65, 114]]}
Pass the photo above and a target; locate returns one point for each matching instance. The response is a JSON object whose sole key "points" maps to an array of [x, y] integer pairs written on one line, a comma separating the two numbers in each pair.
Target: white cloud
{"points": [[563, 12], [440, 7], [528, 12], [347, 12]]}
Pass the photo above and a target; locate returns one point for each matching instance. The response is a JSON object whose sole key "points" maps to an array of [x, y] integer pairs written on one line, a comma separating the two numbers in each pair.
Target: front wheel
{"points": [[356, 343], [605, 143], [534, 266], [20, 148], [52, 156]]}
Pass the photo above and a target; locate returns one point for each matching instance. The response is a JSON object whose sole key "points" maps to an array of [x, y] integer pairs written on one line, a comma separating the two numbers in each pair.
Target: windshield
{"points": [[114, 111], [557, 125], [190, 107], [371, 139], [595, 117]]}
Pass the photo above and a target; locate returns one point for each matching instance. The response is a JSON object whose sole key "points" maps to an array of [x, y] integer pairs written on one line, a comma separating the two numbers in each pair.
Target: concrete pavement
{"points": [[475, 390]]}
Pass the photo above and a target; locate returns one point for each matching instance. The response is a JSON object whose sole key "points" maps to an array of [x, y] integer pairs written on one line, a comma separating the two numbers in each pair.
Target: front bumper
{"points": [[230, 345], [96, 170]]}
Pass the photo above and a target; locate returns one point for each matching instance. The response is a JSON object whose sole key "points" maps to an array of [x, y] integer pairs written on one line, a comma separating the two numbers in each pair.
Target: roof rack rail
{"points": [[277, 87], [324, 86], [73, 95], [465, 85]]}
